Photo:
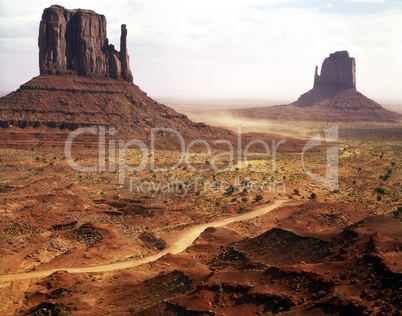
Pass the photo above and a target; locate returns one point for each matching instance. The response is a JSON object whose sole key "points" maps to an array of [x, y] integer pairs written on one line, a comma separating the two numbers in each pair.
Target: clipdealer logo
{"points": [[330, 180], [113, 148]]}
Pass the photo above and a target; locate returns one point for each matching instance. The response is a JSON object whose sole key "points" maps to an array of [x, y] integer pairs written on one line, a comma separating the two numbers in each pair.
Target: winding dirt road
{"points": [[184, 240]]}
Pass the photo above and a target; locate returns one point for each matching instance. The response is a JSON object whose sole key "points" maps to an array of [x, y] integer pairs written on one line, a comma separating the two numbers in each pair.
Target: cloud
{"points": [[18, 28], [366, 1], [197, 21]]}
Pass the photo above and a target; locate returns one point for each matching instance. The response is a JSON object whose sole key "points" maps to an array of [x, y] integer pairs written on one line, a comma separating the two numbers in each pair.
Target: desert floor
{"points": [[311, 248]]}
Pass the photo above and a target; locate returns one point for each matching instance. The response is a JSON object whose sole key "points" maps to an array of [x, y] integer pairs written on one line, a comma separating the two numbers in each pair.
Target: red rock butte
{"points": [[84, 81], [338, 70], [333, 98], [338, 75], [74, 42]]}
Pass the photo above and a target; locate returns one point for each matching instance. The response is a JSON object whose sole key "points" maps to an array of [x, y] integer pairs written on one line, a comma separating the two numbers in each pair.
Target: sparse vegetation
{"points": [[258, 198], [129, 216], [132, 309], [398, 211], [379, 190]]}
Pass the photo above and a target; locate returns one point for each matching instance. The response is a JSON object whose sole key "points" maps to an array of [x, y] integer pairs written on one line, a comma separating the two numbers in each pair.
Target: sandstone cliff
{"points": [[337, 71], [75, 42], [338, 74]]}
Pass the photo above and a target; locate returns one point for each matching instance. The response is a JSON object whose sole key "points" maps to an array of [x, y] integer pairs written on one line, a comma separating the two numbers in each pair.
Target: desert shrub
{"points": [[313, 196], [230, 190], [321, 293], [245, 182], [380, 190], [132, 309], [244, 200], [398, 211], [258, 197], [296, 191]]}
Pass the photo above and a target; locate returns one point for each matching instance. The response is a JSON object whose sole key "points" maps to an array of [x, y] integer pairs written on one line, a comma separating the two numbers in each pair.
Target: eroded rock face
{"points": [[337, 71], [75, 42]]}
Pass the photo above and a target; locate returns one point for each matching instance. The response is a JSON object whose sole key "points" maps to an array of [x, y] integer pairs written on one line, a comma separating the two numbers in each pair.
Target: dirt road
{"points": [[184, 240]]}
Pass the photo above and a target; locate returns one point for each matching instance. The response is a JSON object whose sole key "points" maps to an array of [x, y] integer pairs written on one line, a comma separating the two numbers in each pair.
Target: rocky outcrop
{"points": [[333, 98], [74, 42], [338, 74], [76, 89], [334, 92], [337, 71]]}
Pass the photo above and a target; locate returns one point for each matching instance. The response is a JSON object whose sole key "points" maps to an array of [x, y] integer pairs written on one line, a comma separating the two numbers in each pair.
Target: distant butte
{"points": [[335, 88], [333, 98]]}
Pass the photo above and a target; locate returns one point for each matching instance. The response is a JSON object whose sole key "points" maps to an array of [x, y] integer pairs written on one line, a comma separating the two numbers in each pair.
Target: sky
{"points": [[231, 49]]}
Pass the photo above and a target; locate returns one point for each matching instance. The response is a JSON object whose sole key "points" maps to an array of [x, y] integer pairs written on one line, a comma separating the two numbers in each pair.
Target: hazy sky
{"points": [[227, 48]]}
